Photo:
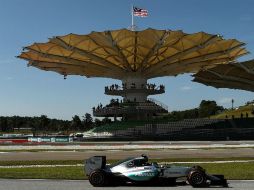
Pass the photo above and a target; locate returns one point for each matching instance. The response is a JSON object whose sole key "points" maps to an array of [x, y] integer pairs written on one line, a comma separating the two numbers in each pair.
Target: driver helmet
{"points": [[145, 157]]}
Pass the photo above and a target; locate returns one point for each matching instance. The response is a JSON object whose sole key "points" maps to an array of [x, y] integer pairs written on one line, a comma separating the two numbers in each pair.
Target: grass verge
{"points": [[74, 162], [241, 171], [43, 173]]}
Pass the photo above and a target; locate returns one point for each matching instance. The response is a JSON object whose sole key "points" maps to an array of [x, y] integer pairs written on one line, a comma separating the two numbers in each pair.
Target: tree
{"points": [[88, 121], [3, 124], [106, 120], [97, 122], [44, 122], [208, 108], [76, 123]]}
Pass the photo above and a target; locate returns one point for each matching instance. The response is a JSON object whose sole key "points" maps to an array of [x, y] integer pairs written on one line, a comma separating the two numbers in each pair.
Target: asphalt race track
{"points": [[117, 150], [120, 154], [11, 184]]}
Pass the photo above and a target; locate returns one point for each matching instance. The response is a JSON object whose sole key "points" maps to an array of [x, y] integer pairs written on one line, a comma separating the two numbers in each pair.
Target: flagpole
{"points": [[132, 19]]}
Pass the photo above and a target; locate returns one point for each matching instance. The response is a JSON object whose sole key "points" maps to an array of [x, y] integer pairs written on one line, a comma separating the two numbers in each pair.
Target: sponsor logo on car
{"points": [[145, 174]]}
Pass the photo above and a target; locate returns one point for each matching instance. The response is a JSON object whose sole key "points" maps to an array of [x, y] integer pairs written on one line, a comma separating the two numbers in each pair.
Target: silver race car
{"points": [[139, 171]]}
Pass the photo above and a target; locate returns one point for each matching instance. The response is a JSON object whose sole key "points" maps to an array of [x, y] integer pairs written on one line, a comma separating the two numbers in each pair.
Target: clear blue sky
{"points": [[31, 92]]}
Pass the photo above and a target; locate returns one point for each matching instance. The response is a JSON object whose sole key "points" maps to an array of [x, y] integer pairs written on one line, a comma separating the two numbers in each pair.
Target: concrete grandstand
{"points": [[187, 129]]}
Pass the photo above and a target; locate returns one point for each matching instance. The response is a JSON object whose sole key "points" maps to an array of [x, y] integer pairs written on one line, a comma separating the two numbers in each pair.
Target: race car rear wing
{"points": [[93, 163]]}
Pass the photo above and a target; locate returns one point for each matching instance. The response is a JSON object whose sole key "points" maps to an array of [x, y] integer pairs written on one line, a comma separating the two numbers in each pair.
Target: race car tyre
{"points": [[97, 178], [197, 178]]}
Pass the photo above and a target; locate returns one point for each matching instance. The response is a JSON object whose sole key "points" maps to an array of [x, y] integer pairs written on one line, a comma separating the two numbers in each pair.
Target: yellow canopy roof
{"points": [[114, 54], [238, 75]]}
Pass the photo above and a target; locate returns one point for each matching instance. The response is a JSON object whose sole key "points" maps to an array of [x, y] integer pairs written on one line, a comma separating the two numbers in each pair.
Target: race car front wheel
{"points": [[197, 178], [97, 178]]}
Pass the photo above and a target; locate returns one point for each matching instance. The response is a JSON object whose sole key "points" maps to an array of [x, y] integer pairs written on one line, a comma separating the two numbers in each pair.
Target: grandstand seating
{"points": [[187, 129], [140, 107]]}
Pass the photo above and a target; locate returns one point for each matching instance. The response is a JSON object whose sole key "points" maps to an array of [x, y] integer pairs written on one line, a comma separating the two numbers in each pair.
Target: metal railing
{"points": [[157, 102]]}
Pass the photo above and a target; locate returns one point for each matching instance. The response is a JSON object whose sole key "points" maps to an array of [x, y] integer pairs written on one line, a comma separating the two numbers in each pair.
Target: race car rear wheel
{"points": [[197, 178], [97, 178]]}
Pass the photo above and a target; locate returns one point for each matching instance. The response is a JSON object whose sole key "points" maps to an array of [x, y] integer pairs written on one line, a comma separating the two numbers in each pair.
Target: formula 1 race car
{"points": [[139, 171]]}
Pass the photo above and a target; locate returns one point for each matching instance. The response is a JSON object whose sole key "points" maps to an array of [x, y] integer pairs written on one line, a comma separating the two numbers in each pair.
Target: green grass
{"points": [[43, 173], [240, 171], [125, 124], [230, 170], [74, 162], [118, 125], [237, 113], [198, 159]]}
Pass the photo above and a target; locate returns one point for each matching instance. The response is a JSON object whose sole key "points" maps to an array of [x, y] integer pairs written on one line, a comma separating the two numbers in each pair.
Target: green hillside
{"points": [[117, 126], [247, 109]]}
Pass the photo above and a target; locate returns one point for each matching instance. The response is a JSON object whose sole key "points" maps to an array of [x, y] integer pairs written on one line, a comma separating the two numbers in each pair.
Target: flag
{"points": [[140, 12]]}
